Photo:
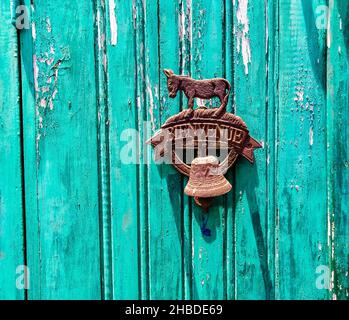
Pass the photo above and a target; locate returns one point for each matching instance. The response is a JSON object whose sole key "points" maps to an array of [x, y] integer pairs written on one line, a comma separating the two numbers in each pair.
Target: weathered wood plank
{"points": [[208, 229], [29, 135], [144, 132], [123, 139], [338, 147], [103, 149], [152, 243], [164, 182], [272, 56], [11, 215], [301, 176], [186, 36], [229, 263], [63, 223], [254, 272]]}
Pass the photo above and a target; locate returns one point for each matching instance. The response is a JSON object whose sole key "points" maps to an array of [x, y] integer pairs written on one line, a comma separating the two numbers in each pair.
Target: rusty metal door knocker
{"points": [[192, 138]]}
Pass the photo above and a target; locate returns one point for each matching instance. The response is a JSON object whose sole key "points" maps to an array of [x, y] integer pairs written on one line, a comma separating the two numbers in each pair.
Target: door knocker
{"points": [[203, 143]]}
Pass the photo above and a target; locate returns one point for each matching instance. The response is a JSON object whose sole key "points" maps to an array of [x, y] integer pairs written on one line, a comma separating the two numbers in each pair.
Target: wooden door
{"points": [[86, 213]]}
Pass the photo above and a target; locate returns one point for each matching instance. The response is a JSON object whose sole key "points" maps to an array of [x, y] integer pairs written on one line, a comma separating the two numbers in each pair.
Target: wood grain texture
{"points": [[301, 156], [11, 205], [63, 228], [164, 182], [103, 133], [253, 267], [185, 41], [85, 206], [338, 147], [123, 139], [208, 229], [228, 48], [143, 128]]}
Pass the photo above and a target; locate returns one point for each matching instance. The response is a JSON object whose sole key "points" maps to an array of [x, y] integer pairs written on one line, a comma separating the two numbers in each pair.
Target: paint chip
{"points": [[243, 40], [36, 73], [48, 25], [34, 30], [113, 25], [311, 136]]}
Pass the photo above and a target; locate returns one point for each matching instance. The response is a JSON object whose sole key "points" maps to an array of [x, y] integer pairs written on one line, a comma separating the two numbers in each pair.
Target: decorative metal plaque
{"points": [[203, 143]]}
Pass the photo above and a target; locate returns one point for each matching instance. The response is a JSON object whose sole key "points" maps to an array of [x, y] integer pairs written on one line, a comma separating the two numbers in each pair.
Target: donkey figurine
{"points": [[203, 89]]}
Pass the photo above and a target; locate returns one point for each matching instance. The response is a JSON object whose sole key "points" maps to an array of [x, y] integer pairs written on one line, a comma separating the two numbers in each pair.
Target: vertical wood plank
{"points": [[64, 258], [254, 272], [208, 229], [229, 201], [164, 182], [143, 129], [11, 215], [29, 147], [301, 177], [123, 140], [272, 73], [338, 146], [186, 37]]}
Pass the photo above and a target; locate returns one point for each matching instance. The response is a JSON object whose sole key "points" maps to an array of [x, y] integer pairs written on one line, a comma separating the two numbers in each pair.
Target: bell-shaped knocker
{"points": [[206, 181]]}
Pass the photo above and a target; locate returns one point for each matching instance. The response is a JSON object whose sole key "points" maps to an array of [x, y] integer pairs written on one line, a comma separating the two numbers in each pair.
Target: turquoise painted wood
{"points": [[302, 147], [12, 250], [208, 251], [86, 209], [60, 142], [164, 184], [123, 246], [337, 142], [254, 250]]}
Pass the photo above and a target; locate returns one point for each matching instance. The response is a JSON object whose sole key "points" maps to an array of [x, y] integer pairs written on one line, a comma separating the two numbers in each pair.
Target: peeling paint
{"points": [[49, 61], [98, 21], [151, 104], [41, 121], [189, 15], [134, 15], [54, 94], [299, 95], [200, 102], [113, 24], [243, 40], [181, 25], [48, 25], [33, 30], [138, 102], [105, 62], [185, 32], [36, 73], [38, 137], [329, 32], [311, 136]]}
